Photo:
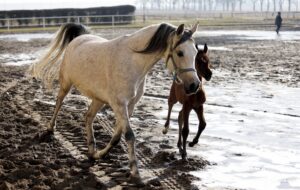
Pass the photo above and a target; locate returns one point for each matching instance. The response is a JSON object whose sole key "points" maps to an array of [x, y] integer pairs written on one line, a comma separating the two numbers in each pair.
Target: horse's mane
{"points": [[159, 40]]}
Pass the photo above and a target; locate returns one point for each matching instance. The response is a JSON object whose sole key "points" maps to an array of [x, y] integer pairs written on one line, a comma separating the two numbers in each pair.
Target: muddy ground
{"points": [[31, 159]]}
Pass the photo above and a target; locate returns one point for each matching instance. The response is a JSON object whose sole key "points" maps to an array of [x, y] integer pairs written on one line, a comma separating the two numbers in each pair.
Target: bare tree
{"points": [[280, 3], [227, 5], [233, 5], [210, 4], [274, 5], [268, 5], [254, 4], [289, 1], [241, 4], [261, 5], [199, 5], [144, 4]]}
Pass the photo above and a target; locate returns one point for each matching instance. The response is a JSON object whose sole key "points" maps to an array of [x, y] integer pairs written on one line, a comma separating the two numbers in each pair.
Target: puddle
{"points": [[255, 142], [252, 34], [219, 48], [17, 59]]}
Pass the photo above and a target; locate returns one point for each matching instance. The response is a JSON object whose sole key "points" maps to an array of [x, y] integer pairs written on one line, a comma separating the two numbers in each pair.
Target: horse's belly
{"points": [[87, 71]]}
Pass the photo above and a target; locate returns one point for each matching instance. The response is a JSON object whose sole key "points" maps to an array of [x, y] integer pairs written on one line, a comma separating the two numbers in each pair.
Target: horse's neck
{"points": [[139, 40]]}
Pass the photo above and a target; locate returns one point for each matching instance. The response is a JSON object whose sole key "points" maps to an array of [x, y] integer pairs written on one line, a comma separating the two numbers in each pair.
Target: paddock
{"points": [[252, 113]]}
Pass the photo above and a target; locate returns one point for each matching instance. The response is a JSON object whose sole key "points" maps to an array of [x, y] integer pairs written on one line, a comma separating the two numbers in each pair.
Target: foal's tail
{"points": [[47, 68]]}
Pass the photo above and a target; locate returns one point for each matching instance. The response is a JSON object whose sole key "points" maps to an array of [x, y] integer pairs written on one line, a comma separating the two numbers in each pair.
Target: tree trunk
{"points": [[227, 5], [281, 4], [241, 4], [233, 6]]}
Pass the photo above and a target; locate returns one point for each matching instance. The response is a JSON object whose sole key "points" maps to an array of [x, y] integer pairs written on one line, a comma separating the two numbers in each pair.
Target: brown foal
{"points": [[189, 102]]}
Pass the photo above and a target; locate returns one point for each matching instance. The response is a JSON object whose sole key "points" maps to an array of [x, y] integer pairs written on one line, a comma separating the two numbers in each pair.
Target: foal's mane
{"points": [[159, 40]]}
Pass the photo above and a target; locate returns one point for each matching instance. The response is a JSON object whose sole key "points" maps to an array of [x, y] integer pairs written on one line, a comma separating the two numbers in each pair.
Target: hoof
{"points": [[46, 136], [165, 131], [91, 158], [191, 144], [184, 156], [184, 159], [136, 179], [50, 130]]}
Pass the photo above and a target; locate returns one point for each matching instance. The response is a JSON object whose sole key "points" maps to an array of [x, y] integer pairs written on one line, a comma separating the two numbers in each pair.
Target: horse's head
{"points": [[180, 58], [203, 64]]}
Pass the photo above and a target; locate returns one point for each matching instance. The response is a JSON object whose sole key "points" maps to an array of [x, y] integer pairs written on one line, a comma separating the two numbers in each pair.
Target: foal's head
{"points": [[203, 64]]}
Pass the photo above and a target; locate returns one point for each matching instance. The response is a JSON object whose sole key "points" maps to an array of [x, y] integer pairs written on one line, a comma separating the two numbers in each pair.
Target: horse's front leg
{"points": [[201, 127], [91, 113], [171, 101], [123, 125], [185, 130]]}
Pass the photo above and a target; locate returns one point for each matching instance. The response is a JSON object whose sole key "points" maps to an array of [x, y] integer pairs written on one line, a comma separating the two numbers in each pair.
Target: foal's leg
{"points": [[122, 119], [171, 101], [63, 91], [180, 122], [90, 115], [201, 127], [138, 96], [185, 130]]}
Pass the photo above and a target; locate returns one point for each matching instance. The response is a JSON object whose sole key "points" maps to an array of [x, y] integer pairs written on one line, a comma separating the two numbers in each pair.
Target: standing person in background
{"points": [[278, 22]]}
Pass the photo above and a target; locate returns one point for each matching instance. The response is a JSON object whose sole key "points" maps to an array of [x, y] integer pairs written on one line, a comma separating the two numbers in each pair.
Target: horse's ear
{"points": [[180, 29], [205, 48], [195, 27], [196, 45]]}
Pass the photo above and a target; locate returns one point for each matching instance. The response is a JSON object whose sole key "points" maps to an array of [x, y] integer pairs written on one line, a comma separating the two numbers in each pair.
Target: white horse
{"points": [[113, 72]]}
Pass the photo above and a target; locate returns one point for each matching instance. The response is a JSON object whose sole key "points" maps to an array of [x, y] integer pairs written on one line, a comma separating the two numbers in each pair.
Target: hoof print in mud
{"points": [[136, 181], [45, 136]]}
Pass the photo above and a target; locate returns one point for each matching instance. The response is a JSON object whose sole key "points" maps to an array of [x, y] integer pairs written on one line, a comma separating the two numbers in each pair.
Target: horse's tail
{"points": [[47, 68]]}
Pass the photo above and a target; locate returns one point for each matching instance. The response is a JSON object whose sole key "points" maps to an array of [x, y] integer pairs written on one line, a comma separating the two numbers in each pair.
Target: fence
{"points": [[56, 21], [113, 20]]}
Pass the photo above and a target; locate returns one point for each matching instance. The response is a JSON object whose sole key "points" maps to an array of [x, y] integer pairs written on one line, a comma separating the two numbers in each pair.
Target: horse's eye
{"points": [[180, 54]]}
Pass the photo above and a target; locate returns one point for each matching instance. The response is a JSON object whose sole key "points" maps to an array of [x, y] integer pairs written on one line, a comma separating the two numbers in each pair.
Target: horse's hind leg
{"points": [[91, 113], [122, 119], [185, 130], [63, 91], [201, 127]]}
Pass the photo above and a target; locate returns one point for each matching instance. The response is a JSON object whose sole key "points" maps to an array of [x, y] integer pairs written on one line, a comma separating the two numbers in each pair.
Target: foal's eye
{"points": [[180, 54]]}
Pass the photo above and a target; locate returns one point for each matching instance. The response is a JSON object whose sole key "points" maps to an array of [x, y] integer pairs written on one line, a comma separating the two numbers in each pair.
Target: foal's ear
{"points": [[205, 48], [180, 29]]}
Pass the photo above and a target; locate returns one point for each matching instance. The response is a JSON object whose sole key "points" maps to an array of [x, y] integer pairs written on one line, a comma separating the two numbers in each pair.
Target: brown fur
{"points": [[190, 102]]}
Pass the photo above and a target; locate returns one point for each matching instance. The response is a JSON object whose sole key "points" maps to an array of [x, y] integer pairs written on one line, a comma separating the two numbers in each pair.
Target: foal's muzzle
{"points": [[208, 76], [192, 88]]}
